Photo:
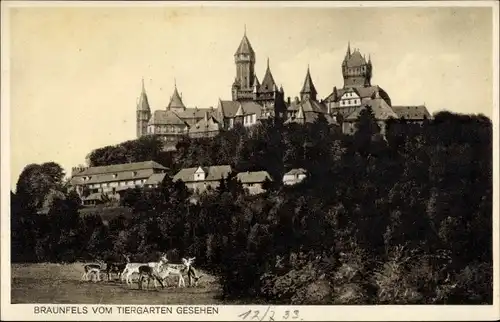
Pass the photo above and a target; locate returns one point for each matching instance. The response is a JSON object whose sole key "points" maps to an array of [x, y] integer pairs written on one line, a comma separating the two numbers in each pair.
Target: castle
{"points": [[253, 101]]}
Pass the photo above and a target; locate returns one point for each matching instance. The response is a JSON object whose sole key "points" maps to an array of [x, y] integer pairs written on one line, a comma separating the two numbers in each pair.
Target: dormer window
{"points": [[134, 173], [115, 175]]}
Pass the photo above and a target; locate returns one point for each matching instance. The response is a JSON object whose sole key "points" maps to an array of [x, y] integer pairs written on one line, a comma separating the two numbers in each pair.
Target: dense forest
{"points": [[404, 218]]}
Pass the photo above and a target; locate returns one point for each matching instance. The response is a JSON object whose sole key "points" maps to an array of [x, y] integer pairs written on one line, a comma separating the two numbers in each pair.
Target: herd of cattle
{"points": [[155, 271]]}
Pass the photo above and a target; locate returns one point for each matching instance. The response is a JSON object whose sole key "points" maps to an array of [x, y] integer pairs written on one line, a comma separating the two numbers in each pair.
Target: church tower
{"points": [[356, 70], [143, 113], [244, 59], [308, 90]]}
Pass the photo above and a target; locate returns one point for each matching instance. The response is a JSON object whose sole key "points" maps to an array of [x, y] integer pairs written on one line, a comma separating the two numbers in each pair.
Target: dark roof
{"points": [[309, 117], [121, 168], [194, 113], [253, 177], [176, 101], [232, 108], [245, 47], [117, 176], [206, 124], [412, 112], [166, 117], [308, 105], [381, 110], [155, 178], [308, 86], [355, 59], [268, 83], [213, 173]]}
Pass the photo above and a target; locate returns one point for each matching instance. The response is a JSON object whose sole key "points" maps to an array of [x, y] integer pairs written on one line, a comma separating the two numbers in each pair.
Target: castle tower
{"points": [[270, 96], [308, 90], [244, 59], [356, 71], [143, 113]]}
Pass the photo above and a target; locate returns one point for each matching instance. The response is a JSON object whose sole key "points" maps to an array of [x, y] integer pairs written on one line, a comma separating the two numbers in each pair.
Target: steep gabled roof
{"points": [[308, 86], [229, 108], [268, 83], [176, 101]]}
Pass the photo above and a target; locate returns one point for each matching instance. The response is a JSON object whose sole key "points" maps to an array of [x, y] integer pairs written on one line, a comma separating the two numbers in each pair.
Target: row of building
{"points": [[94, 185], [253, 101]]}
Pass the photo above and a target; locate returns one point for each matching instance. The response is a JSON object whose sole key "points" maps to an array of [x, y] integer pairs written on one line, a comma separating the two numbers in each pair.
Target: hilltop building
{"points": [[346, 103], [94, 184], [253, 101], [201, 179]]}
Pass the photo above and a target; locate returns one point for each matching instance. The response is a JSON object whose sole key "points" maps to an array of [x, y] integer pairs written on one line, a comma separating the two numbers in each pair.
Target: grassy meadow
{"points": [[61, 284]]}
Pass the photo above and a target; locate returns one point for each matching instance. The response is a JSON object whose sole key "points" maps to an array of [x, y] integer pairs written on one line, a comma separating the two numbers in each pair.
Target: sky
{"points": [[75, 72]]}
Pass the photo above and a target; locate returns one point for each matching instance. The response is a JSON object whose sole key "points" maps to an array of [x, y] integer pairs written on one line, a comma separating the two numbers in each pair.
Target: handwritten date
{"points": [[270, 314]]}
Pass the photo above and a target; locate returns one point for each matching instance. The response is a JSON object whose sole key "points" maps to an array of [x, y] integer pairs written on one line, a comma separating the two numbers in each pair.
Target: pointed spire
{"points": [[348, 53], [245, 47], [176, 99], [268, 83], [143, 103], [245, 32], [308, 89]]}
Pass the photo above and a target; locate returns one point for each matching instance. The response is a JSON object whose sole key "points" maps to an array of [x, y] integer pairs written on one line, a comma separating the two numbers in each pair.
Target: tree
{"points": [[37, 181], [366, 130]]}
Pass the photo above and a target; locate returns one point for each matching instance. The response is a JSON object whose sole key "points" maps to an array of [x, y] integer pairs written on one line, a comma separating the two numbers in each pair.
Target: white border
{"points": [[231, 312]]}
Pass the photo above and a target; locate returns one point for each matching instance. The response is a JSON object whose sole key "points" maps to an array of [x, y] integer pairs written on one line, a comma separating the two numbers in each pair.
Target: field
{"points": [[61, 284]]}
